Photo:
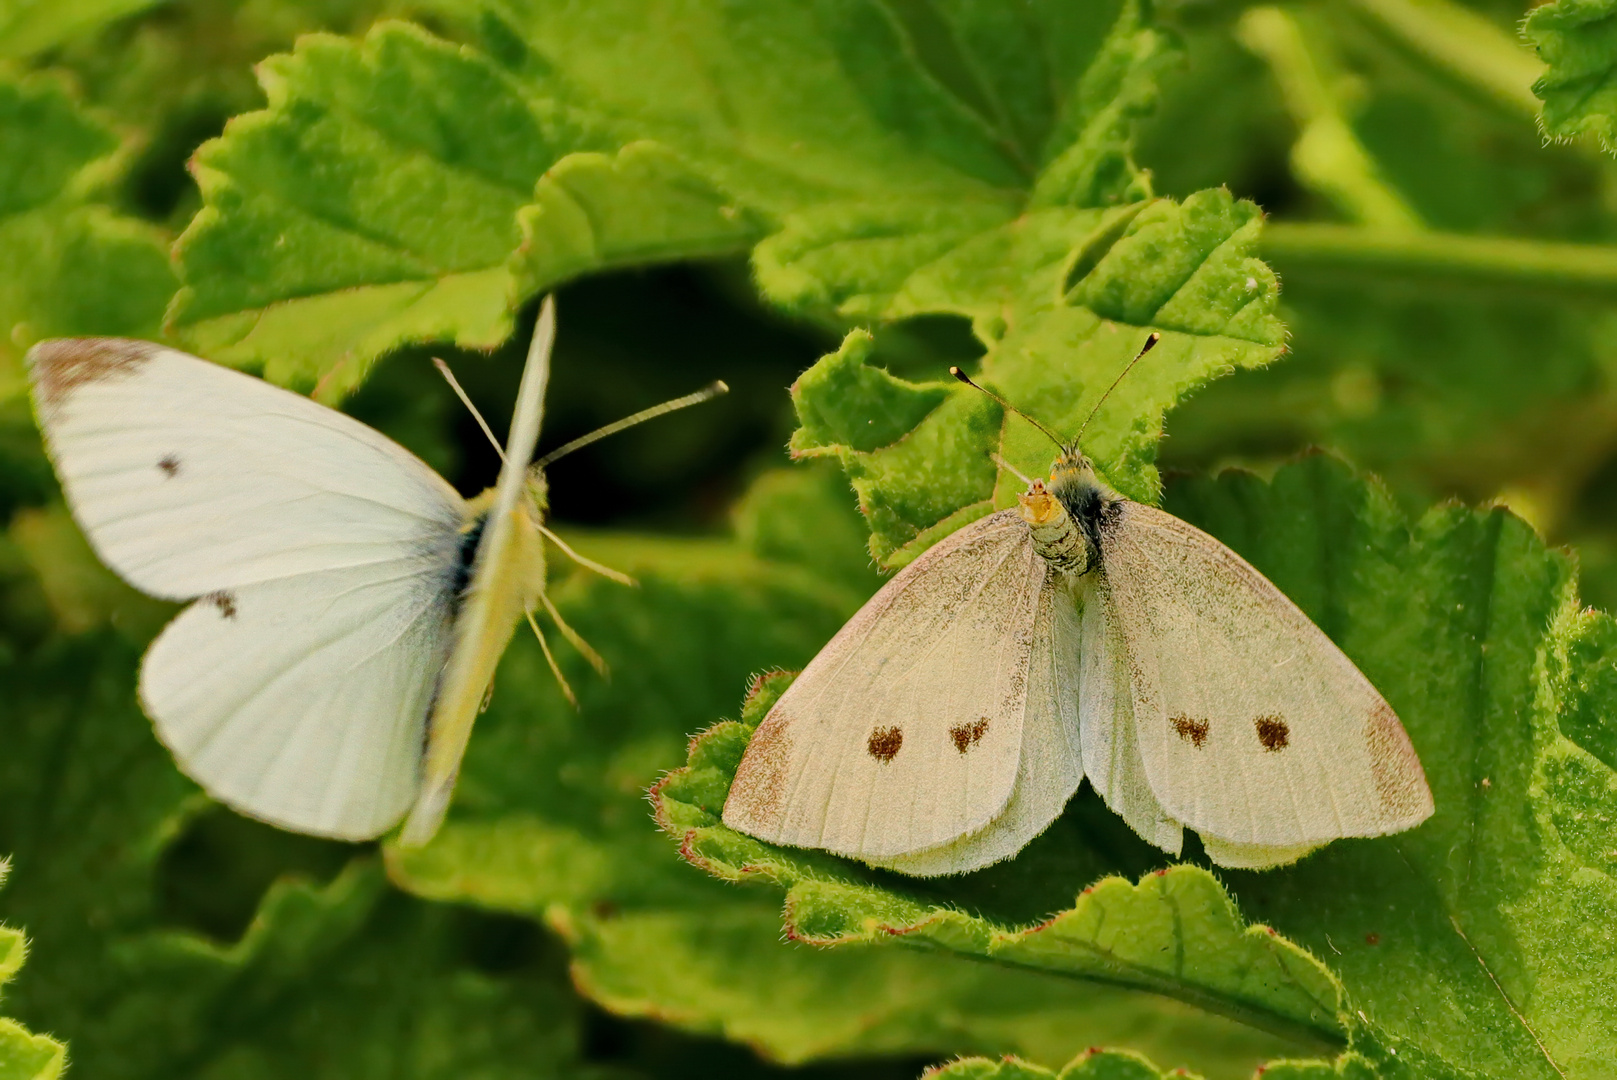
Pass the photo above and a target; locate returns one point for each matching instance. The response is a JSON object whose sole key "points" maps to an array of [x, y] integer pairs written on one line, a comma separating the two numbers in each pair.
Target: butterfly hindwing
{"points": [[905, 732], [1106, 717], [1253, 728], [302, 701]]}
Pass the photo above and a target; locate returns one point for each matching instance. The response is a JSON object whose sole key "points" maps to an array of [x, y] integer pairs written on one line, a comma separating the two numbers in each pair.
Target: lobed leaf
{"points": [[878, 165], [1444, 946], [922, 462], [23, 1055], [1577, 39]]}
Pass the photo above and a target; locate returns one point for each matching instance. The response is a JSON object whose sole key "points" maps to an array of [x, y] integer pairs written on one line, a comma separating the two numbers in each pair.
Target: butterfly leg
{"points": [[550, 658], [572, 636], [605, 571]]}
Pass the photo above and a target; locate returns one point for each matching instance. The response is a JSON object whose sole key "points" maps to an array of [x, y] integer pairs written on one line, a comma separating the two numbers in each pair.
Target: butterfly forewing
{"points": [[188, 477], [1253, 728], [1050, 766], [905, 732]]}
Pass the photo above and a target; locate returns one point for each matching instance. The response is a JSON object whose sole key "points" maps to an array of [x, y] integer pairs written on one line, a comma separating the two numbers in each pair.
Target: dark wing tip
{"points": [[61, 365]]}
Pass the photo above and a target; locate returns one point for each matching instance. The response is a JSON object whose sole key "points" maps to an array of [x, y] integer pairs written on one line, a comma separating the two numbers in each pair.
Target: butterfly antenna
{"points": [[1012, 469], [449, 377], [1150, 343], [707, 393], [1008, 407]]}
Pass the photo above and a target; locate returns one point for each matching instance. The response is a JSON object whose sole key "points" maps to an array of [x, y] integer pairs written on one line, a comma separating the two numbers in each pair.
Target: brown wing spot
{"points": [[758, 792], [1399, 778], [884, 742], [965, 736], [1273, 733], [224, 601], [63, 365], [1192, 731], [170, 466]]}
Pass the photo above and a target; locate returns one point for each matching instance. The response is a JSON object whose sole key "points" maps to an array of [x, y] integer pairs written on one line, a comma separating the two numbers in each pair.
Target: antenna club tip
{"points": [[961, 375], [1150, 342], [720, 386]]}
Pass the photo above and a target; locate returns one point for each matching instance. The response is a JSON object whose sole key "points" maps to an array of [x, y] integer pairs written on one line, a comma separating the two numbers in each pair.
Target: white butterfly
{"points": [[353, 607], [1081, 634]]}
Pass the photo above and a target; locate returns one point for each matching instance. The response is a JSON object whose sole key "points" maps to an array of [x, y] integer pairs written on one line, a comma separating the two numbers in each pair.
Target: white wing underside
{"points": [[1251, 726], [189, 477], [296, 691], [303, 702], [906, 731]]}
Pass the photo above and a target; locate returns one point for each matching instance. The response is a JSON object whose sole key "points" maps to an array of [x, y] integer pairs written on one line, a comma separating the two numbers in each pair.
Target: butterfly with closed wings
{"points": [[1078, 634], [350, 607]]}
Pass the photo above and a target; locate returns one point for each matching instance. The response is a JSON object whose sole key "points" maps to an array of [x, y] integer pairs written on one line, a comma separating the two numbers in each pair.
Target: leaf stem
{"points": [[1586, 270], [1462, 45], [1327, 157]]}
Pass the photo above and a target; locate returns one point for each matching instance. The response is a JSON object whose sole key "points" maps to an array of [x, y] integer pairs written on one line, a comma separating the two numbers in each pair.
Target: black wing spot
{"points": [[884, 742], [1273, 733], [966, 736], [1192, 731], [170, 466], [224, 601]]}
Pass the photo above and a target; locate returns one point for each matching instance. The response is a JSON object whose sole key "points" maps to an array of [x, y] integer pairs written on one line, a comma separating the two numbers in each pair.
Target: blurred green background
{"points": [[1473, 383]]}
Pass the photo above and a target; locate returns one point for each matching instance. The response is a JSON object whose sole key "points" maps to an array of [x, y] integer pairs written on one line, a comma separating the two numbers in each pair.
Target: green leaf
{"points": [[1447, 944], [68, 264], [23, 1055], [922, 463], [1577, 39], [884, 167], [1093, 1065], [1120, 1065], [549, 819], [361, 210]]}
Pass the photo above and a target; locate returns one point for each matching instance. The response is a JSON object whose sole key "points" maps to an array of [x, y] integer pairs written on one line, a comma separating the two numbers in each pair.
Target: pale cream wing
{"points": [[905, 732], [1253, 728], [1106, 724], [1050, 768]]}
